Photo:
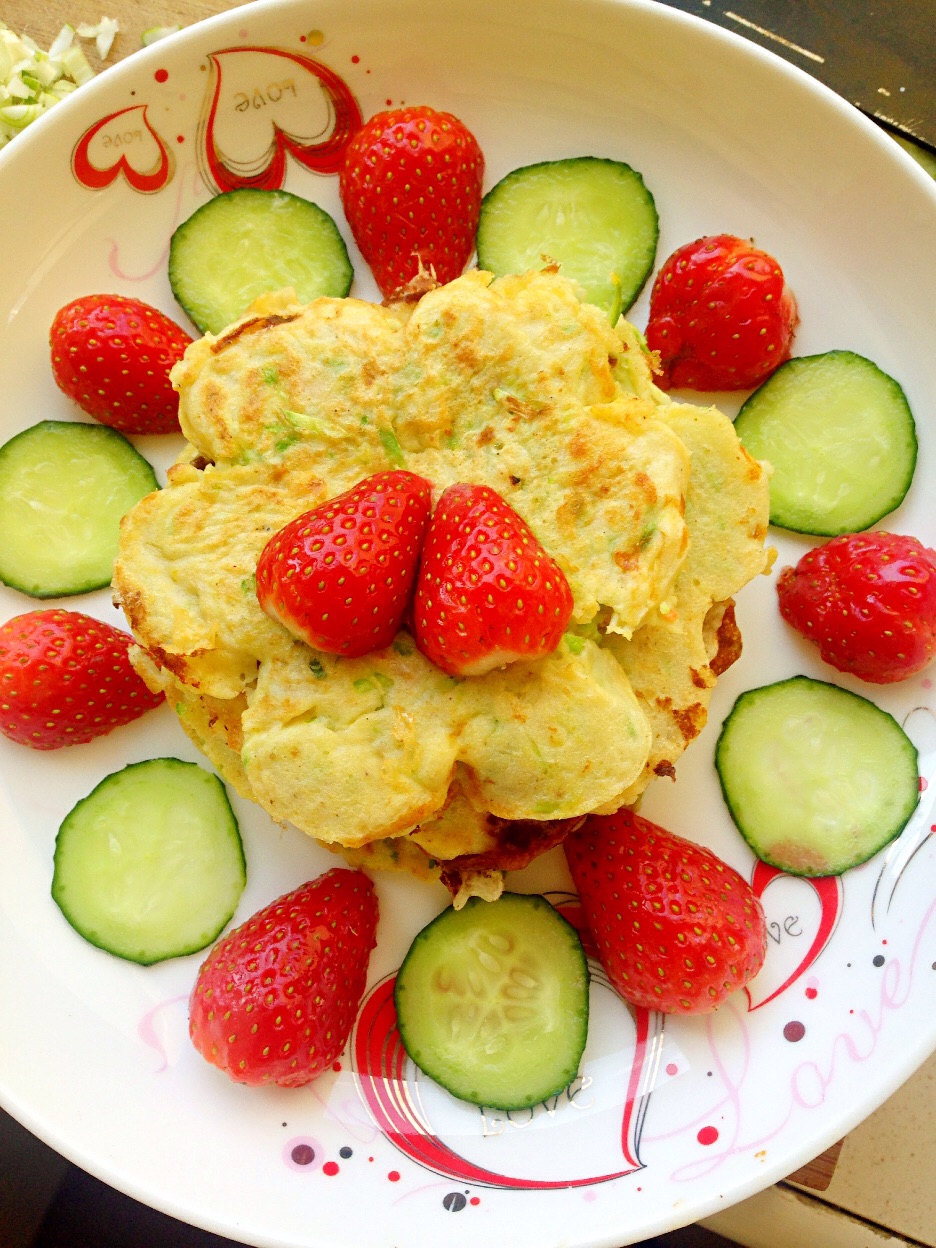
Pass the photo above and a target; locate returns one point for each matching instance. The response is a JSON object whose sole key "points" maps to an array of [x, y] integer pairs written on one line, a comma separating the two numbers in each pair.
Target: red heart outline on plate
{"points": [[380, 1072], [830, 893], [96, 177], [223, 172]]}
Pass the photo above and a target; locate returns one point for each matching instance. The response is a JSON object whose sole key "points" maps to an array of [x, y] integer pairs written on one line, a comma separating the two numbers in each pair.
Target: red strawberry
{"points": [[721, 316], [112, 356], [341, 575], [487, 592], [677, 929], [276, 999], [411, 190], [868, 601], [65, 679]]}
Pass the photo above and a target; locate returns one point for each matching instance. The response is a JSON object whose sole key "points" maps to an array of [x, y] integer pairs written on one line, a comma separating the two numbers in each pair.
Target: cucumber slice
{"points": [[594, 216], [245, 243], [64, 487], [817, 779], [492, 1001], [150, 864], [841, 438]]}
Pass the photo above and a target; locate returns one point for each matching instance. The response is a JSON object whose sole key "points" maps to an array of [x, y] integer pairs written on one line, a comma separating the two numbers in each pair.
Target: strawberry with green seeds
{"points": [[340, 576], [868, 601], [721, 316], [488, 594], [112, 355], [275, 1000], [65, 679], [677, 929], [411, 191]]}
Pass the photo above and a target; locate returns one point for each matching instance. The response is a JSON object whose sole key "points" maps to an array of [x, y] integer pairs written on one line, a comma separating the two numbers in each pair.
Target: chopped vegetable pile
{"points": [[32, 81]]}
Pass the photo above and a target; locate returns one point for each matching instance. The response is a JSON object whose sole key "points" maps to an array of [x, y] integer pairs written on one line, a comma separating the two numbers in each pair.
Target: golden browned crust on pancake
{"points": [[653, 509], [728, 642]]}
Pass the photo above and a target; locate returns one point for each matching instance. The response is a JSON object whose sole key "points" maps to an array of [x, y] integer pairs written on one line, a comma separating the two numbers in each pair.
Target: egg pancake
{"points": [[652, 509]]}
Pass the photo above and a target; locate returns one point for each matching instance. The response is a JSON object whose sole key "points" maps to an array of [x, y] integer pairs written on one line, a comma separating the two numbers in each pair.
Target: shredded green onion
{"points": [[102, 33], [33, 81], [155, 33]]}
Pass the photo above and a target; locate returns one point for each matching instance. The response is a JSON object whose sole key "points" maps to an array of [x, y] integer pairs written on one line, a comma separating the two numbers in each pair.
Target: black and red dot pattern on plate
{"points": [[455, 1202], [794, 1031], [303, 1153]]}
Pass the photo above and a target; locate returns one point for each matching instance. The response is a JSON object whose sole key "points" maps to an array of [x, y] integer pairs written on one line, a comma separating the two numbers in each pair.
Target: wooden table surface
{"points": [[42, 19]]}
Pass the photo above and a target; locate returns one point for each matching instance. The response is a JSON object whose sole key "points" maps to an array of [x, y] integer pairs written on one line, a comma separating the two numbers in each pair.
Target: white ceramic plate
{"points": [[94, 1055]]}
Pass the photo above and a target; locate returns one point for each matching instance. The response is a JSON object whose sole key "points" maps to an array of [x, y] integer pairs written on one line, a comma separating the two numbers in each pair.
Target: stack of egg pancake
{"points": [[654, 511]]}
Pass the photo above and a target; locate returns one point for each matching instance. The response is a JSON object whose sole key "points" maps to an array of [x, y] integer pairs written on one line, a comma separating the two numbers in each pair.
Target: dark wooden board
{"points": [[880, 55]]}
